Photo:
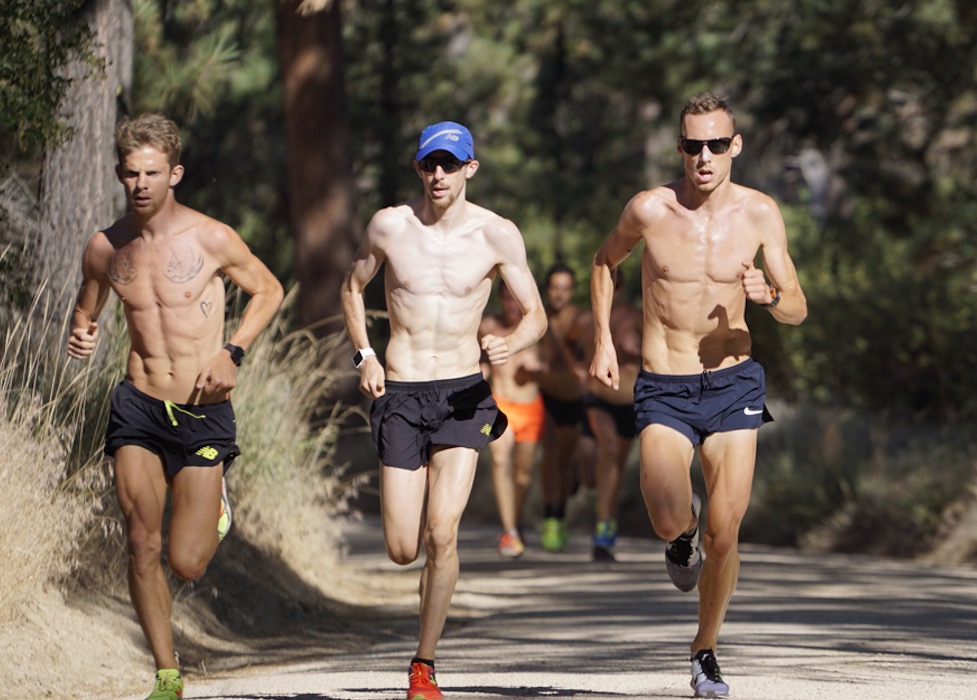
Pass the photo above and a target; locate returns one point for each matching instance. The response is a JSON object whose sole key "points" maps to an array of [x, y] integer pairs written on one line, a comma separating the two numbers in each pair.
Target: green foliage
{"points": [[211, 65], [852, 482], [574, 107], [38, 38]]}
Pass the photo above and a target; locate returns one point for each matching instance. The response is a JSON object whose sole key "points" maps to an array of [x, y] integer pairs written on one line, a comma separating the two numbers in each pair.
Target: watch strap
{"points": [[360, 357], [237, 353]]}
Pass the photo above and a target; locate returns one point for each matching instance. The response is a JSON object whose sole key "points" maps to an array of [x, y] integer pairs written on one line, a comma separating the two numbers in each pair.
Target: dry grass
{"points": [[59, 521], [286, 486], [39, 521], [51, 497]]}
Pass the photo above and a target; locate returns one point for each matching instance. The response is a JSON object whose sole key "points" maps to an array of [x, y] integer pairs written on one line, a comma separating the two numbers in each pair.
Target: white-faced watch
{"points": [[360, 357]]}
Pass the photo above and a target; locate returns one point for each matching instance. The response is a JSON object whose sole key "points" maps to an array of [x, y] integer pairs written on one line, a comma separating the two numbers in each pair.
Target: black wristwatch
{"points": [[237, 353]]}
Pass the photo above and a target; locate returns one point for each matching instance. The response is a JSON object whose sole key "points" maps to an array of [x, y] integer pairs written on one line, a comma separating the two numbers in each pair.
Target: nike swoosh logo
{"points": [[752, 411]]}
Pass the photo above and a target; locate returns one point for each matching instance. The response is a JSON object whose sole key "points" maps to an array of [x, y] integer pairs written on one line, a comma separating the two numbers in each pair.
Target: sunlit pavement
{"points": [[801, 626]]}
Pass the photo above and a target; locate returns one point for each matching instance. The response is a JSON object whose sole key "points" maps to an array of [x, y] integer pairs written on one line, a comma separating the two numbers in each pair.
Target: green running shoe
{"points": [[169, 685], [225, 519], [553, 536]]}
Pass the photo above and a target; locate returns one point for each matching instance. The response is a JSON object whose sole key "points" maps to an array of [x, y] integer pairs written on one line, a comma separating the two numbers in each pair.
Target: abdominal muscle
{"points": [[435, 338], [692, 331], [166, 361]]}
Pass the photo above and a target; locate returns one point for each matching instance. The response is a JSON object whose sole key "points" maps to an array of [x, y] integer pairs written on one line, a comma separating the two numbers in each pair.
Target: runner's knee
{"points": [[719, 546], [440, 539], [188, 564], [145, 546]]}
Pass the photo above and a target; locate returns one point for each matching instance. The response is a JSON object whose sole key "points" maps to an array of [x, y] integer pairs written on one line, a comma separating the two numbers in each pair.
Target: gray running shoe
{"points": [[683, 561], [707, 679]]}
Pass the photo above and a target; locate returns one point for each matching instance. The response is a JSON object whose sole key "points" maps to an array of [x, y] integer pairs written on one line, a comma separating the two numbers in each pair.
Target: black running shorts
{"points": [[564, 412], [413, 417], [622, 414], [183, 435]]}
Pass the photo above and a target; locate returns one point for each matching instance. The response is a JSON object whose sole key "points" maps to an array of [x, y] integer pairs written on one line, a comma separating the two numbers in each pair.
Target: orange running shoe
{"points": [[422, 683], [510, 545]]}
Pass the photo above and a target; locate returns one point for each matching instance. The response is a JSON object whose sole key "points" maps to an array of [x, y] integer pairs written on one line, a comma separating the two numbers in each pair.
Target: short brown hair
{"points": [[153, 130], [703, 104]]}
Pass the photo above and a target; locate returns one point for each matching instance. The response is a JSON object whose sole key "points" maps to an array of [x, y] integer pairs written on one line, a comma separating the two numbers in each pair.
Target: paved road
{"points": [[801, 626]]}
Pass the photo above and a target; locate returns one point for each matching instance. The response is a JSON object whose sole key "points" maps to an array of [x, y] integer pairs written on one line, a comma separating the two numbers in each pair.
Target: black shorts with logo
{"points": [[413, 417], [698, 405], [183, 435]]}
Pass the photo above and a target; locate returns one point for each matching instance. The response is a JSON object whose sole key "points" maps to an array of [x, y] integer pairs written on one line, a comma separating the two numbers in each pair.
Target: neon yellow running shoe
{"points": [[225, 519], [553, 535], [169, 685]]}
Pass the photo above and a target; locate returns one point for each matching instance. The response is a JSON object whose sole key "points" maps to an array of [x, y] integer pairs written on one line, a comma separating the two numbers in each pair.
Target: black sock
{"points": [[554, 510], [417, 659]]}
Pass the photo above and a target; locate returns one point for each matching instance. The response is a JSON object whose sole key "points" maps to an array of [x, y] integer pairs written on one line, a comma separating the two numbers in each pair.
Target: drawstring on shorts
{"points": [[171, 407]]}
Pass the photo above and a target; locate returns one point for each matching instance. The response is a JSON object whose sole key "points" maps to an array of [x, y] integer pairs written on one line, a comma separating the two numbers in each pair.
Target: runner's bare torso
{"points": [[626, 329], [562, 378], [692, 277], [515, 380], [437, 281], [173, 298]]}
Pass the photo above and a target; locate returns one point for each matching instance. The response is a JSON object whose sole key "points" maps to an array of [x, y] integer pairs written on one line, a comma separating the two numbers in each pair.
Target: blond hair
{"points": [[154, 130]]}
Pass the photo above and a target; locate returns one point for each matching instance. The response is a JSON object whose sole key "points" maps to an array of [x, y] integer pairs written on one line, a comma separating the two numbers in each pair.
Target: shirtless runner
{"points": [[564, 448], [171, 424], [514, 453], [699, 386], [610, 415], [432, 409]]}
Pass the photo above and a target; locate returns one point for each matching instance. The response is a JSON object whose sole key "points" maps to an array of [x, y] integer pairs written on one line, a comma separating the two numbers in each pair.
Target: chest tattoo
{"points": [[184, 266], [122, 271], [205, 307]]}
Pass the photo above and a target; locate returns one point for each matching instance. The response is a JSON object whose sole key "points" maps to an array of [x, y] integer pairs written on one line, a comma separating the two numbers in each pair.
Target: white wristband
{"points": [[360, 357]]}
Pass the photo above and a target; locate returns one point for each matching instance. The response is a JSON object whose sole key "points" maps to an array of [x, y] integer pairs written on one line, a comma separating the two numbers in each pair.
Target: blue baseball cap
{"points": [[446, 136]]}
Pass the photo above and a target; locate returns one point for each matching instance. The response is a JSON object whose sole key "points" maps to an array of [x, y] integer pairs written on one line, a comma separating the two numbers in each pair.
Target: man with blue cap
{"points": [[432, 409]]}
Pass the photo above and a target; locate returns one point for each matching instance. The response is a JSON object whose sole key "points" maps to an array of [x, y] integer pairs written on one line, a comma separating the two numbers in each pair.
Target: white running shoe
{"points": [[707, 679], [683, 561]]}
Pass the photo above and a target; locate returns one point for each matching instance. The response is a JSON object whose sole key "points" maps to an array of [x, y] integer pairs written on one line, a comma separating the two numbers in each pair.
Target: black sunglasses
{"points": [[694, 146], [449, 164]]}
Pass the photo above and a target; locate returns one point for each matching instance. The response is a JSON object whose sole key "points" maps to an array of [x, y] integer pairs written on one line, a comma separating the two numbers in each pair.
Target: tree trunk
{"points": [[79, 190], [319, 170]]}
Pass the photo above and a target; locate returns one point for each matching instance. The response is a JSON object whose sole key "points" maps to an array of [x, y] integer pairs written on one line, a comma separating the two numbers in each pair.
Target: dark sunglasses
{"points": [[449, 164], [694, 146]]}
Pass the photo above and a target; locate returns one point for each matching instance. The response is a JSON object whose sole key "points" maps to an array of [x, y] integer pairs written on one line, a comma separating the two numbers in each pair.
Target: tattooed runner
{"points": [[171, 425]]}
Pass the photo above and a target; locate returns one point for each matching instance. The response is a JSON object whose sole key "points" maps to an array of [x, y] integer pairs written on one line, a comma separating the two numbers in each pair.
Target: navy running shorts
{"points": [[698, 405], [183, 435], [413, 417], [623, 415]]}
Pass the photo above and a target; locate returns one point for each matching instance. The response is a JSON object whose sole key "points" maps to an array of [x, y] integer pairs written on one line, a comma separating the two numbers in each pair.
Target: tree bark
{"points": [[79, 193], [319, 171]]}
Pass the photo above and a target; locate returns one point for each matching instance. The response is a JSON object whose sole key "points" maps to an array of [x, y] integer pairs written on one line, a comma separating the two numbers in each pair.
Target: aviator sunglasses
{"points": [[694, 146], [449, 164]]}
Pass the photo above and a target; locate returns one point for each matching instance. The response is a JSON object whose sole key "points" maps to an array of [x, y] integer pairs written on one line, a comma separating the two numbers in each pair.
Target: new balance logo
{"points": [[752, 411], [486, 429], [208, 453]]}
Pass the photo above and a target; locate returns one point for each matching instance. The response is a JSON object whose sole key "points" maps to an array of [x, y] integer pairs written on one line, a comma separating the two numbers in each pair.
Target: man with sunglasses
{"points": [[432, 409], [699, 386]]}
